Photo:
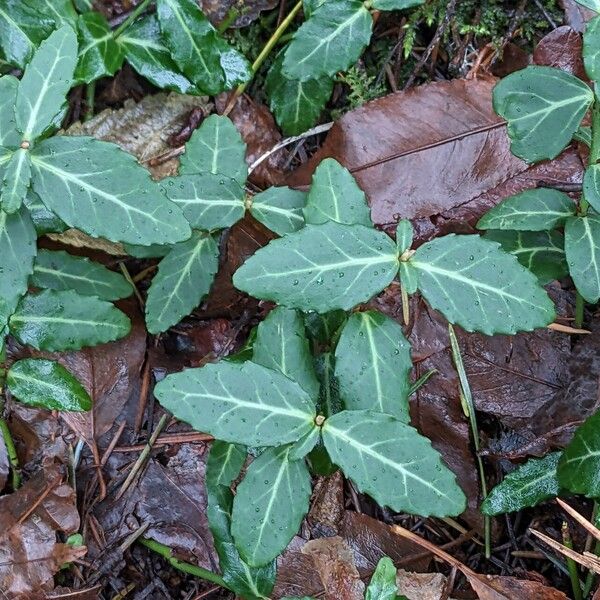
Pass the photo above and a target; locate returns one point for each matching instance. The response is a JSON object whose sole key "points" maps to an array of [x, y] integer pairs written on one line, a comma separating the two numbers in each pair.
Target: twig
{"points": [[587, 559]]}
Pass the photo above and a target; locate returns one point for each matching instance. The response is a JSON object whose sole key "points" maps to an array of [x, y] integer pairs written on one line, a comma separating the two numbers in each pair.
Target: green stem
{"points": [[591, 576], [595, 148], [133, 15], [90, 96], [571, 564], [185, 567], [12, 454]]}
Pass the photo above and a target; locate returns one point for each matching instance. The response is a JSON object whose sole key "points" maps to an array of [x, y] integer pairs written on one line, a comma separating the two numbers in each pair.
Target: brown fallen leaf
{"points": [[420, 586], [576, 15], [561, 49], [327, 505], [246, 10]]}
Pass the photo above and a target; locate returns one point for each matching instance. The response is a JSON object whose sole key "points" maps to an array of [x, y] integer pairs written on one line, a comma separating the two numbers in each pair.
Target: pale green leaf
{"points": [[47, 79], [526, 486], [393, 463], [9, 136], [152, 251], [476, 285], [46, 384], [591, 4], [591, 186], [544, 107], [582, 248], [383, 582], [321, 267], [584, 135], [331, 40], [58, 321], [184, 278], [279, 209], [269, 505], [305, 445], [96, 187], [408, 277], [396, 4], [61, 11], [44, 220], [591, 49], [533, 210], [281, 344], [15, 183], [335, 196], [242, 403], [225, 461], [58, 270], [404, 235], [372, 365]]}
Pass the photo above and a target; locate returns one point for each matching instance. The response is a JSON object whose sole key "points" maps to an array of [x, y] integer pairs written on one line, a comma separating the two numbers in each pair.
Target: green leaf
{"points": [[330, 41], [591, 186], [404, 235], [44, 220], [146, 53], [96, 187], [152, 251], [591, 4], [305, 445], [216, 147], [99, 53], [46, 384], [533, 210], [329, 392], [383, 582], [21, 31], [45, 83], [544, 107], [476, 285], [184, 278], [591, 49], [296, 105], [323, 328], [396, 5], [9, 136], [208, 201], [578, 469], [58, 270], [393, 463], [335, 196], [279, 209], [16, 181], [269, 505], [542, 252], [281, 344], [62, 12], [582, 248], [58, 321], [225, 461], [372, 365], [242, 403], [321, 267], [584, 135], [526, 486]]}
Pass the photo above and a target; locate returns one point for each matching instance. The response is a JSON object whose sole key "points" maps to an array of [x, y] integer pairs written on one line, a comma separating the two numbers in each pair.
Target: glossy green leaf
{"points": [[582, 248], [58, 321], [408, 277], [542, 252], [544, 107], [96, 187], [225, 461], [58, 270], [335, 196], [44, 220], [372, 365], [383, 582], [47, 79], [61, 11], [591, 49], [242, 403], [393, 463], [152, 251], [9, 136], [146, 53], [305, 445], [216, 147], [404, 235], [533, 210], [324, 327], [396, 4], [296, 105], [330, 401], [476, 285], [578, 469], [321, 267], [208, 201], [99, 53], [281, 344], [269, 505], [279, 209], [184, 278], [15, 183], [591, 186], [46, 384], [330, 41], [526, 486]]}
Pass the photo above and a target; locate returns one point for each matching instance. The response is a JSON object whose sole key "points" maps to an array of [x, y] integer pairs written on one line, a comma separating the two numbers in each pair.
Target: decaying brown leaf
{"points": [[421, 586], [561, 49], [244, 11]]}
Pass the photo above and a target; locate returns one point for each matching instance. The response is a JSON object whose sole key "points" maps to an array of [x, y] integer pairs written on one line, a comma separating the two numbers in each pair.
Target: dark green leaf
{"points": [[329, 392], [65, 320], [330, 41], [393, 463], [372, 365], [44, 220], [15, 182], [533, 210], [45, 83], [544, 107], [9, 136], [395, 4], [591, 186], [476, 285], [99, 54], [542, 252], [100, 189], [242, 403], [320, 462], [582, 248], [526, 486], [46, 384], [321, 267], [184, 278], [335, 196], [591, 49], [584, 135], [404, 235], [152, 251], [225, 461], [269, 505], [62, 12], [324, 327], [58, 270], [383, 582], [279, 209]]}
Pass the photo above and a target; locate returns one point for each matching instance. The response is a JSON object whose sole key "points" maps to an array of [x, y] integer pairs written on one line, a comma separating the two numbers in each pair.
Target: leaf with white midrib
{"points": [[279, 209], [225, 461], [9, 136], [16, 181], [582, 248]]}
